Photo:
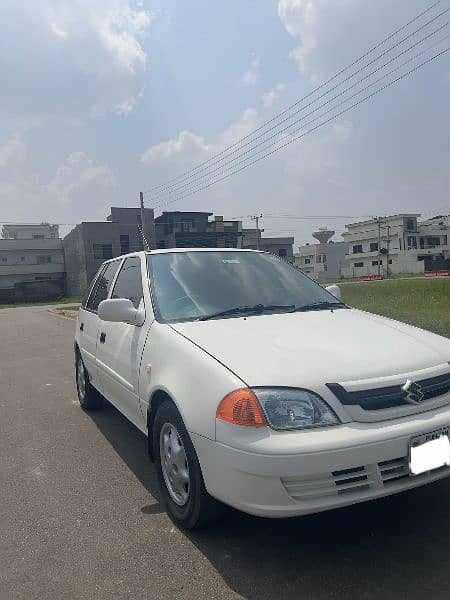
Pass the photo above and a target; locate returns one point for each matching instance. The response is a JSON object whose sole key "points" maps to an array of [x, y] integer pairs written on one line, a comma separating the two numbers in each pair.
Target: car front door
{"points": [[120, 345], [89, 322]]}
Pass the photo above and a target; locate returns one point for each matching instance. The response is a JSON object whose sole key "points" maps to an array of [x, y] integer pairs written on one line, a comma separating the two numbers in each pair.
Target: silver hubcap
{"points": [[81, 380], [174, 464]]}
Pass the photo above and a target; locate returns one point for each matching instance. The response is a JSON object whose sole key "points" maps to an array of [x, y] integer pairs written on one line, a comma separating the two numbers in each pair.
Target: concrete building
{"points": [[280, 246], [129, 220], [31, 263], [396, 244], [182, 229], [323, 260], [90, 243]]}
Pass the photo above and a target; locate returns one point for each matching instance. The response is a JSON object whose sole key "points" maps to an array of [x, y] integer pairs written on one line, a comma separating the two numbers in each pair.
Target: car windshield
{"points": [[193, 285]]}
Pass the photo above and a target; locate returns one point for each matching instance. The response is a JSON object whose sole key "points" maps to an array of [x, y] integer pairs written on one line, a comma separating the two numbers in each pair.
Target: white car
{"points": [[258, 388]]}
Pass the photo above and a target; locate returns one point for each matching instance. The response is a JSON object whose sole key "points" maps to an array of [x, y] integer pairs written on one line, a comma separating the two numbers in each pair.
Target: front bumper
{"points": [[308, 472]]}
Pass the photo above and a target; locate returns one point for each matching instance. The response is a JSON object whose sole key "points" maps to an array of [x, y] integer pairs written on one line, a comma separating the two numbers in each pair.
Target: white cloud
{"points": [[74, 184], [187, 142], [191, 147], [58, 31], [94, 53], [118, 30], [12, 151], [319, 26], [234, 132], [77, 171], [251, 75], [269, 98]]}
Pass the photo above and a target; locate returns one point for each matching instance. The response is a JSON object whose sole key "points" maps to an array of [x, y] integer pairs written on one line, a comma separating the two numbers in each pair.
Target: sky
{"points": [[101, 99]]}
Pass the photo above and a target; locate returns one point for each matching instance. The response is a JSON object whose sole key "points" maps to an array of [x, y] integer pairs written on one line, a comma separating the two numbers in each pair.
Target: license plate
{"points": [[429, 451]]}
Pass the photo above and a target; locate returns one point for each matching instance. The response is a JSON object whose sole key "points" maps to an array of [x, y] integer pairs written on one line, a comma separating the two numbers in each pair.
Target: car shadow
{"points": [[395, 547], [131, 445]]}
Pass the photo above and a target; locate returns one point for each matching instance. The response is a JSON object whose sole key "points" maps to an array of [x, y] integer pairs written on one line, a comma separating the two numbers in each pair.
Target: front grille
{"points": [[391, 396], [346, 481], [354, 481], [393, 470]]}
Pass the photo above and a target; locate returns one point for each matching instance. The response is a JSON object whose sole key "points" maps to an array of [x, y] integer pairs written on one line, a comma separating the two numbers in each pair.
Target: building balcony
{"points": [[27, 269], [41, 245]]}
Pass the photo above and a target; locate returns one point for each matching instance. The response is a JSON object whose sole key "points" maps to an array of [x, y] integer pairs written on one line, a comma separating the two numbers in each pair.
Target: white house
{"points": [[322, 260], [396, 244], [31, 254]]}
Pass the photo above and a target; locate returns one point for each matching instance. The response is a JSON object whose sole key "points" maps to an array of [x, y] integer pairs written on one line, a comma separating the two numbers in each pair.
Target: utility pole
{"points": [[388, 227], [144, 239], [379, 245], [257, 218]]}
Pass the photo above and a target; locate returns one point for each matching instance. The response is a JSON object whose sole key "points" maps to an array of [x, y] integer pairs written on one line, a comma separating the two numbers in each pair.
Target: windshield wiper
{"points": [[244, 310], [319, 306]]}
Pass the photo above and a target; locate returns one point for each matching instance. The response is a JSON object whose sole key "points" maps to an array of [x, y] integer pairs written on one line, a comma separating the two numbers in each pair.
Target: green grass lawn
{"points": [[62, 301], [421, 302]]}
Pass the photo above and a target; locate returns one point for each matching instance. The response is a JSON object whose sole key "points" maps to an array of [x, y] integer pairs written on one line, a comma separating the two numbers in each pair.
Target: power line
{"points": [[266, 142], [289, 108], [311, 130]]}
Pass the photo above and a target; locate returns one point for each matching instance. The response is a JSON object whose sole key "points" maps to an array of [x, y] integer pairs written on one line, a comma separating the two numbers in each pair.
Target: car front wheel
{"points": [[180, 477]]}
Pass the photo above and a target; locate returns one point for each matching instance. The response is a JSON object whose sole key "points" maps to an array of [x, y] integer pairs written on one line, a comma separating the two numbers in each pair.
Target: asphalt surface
{"points": [[80, 516]]}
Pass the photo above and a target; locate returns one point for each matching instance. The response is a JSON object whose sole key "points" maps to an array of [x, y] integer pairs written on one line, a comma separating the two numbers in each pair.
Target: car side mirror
{"points": [[120, 310], [335, 290]]}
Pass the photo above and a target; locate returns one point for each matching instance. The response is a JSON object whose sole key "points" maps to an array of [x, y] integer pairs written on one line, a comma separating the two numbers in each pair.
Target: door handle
{"points": [[102, 337], [81, 326]]}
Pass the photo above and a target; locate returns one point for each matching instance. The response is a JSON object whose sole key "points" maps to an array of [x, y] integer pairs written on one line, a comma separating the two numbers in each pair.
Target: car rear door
{"points": [[89, 322], [120, 346]]}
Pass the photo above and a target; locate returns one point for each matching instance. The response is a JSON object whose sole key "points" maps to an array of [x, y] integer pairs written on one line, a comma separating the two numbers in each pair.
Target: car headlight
{"points": [[287, 408]]}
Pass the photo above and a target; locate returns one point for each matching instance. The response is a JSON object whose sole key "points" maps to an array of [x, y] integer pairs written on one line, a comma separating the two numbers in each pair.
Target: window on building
{"points": [[43, 259], [162, 244], [102, 285], [375, 263], [410, 224], [390, 261], [433, 241], [22, 259], [319, 258], [103, 251], [4, 259], [230, 244], [186, 226], [412, 242], [307, 261], [124, 243], [359, 264], [373, 246], [357, 248], [38, 236], [129, 282], [282, 252]]}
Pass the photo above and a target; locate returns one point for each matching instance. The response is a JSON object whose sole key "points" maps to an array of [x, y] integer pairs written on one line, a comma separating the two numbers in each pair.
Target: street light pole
{"points": [[256, 218]]}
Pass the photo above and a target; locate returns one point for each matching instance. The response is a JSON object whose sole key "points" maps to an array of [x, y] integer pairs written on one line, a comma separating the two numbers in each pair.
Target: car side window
{"points": [[129, 282], [90, 293], [102, 286]]}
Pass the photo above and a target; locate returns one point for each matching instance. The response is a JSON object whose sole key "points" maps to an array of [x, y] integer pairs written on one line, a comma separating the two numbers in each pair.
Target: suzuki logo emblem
{"points": [[413, 392]]}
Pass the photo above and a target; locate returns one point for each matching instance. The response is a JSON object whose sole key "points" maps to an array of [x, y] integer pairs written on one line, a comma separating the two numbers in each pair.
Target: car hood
{"points": [[302, 349]]}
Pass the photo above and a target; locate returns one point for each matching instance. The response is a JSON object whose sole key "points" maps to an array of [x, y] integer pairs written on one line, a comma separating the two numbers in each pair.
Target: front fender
{"points": [[195, 381]]}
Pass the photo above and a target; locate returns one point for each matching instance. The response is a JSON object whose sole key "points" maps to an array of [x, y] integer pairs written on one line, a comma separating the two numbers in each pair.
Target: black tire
{"points": [[200, 510], [90, 398]]}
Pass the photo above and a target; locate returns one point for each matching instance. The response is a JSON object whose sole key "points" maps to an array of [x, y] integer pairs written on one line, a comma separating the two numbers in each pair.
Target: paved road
{"points": [[80, 516]]}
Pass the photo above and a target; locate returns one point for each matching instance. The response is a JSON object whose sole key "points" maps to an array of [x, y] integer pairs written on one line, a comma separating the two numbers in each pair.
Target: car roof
{"points": [[177, 250], [170, 250]]}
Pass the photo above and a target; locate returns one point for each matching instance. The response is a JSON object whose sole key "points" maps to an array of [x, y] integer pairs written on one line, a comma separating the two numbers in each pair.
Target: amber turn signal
{"points": [[241, 407]]}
